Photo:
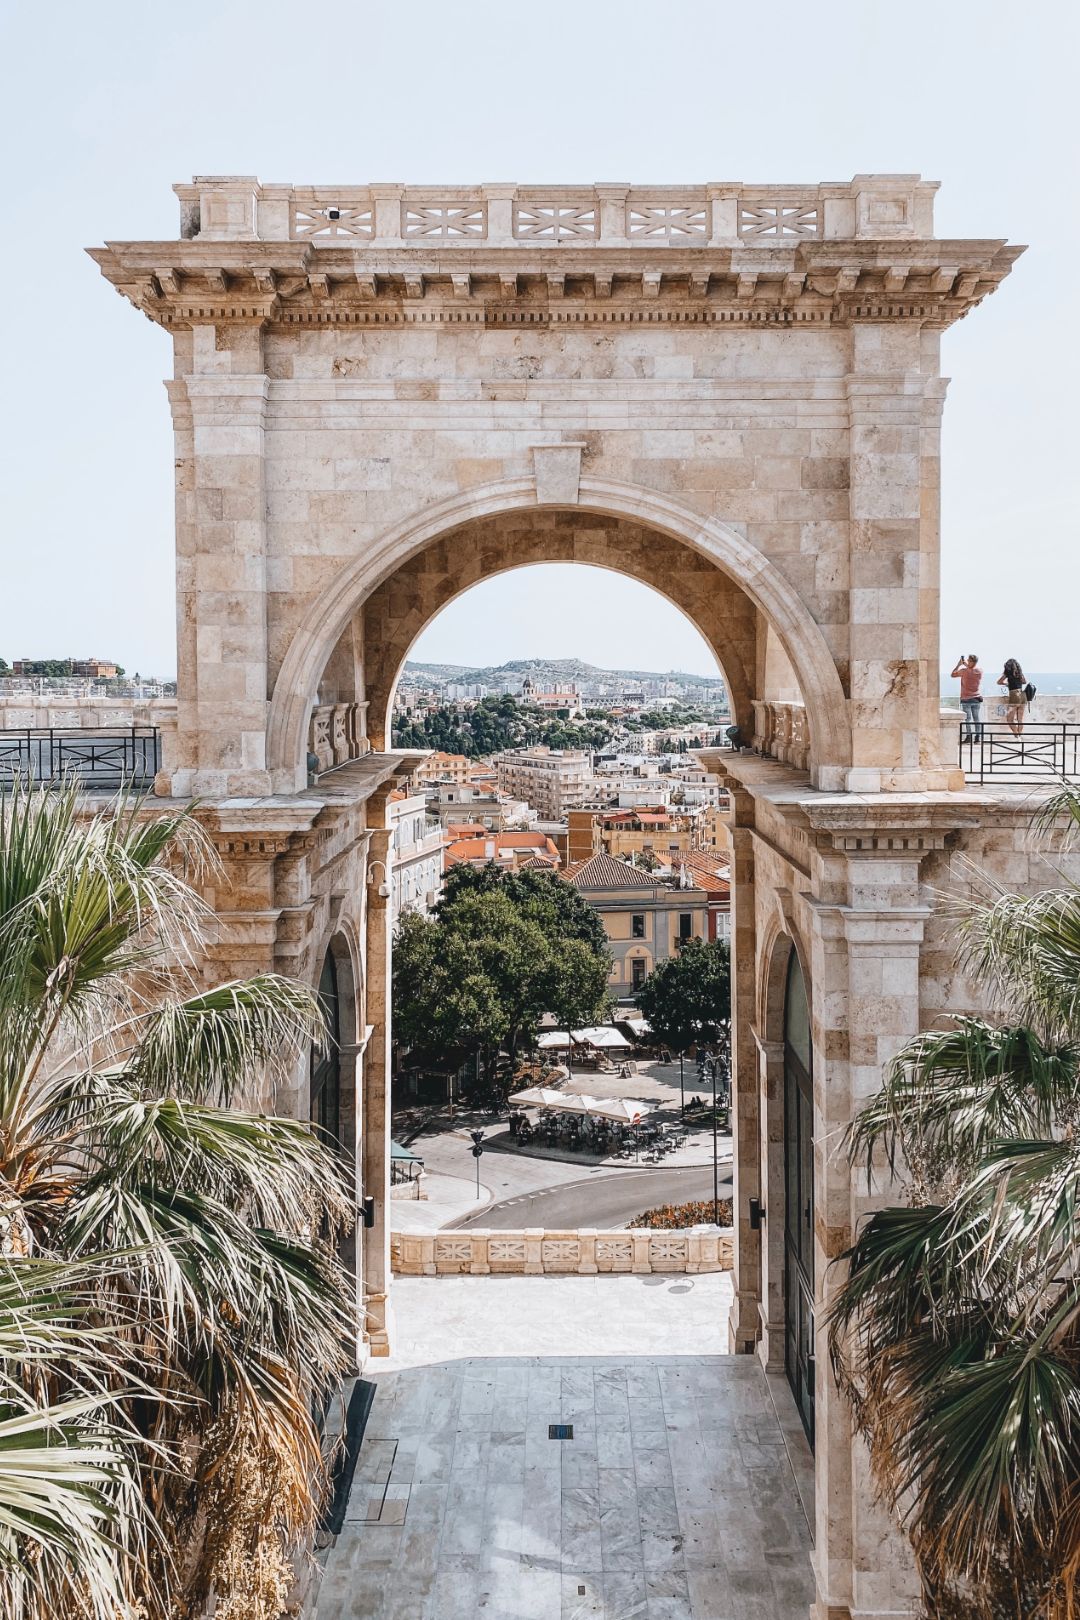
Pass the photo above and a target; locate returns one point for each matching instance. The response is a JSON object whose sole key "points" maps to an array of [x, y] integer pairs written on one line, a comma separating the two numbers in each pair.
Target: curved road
{"points": [[610, 1199]]}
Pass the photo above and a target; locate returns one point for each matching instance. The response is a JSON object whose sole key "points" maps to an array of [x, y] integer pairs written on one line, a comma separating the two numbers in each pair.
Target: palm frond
{"points": [[183, 1310], [70, 1513], [1027, 949], [217, 1043], [949, 1095], [990, 1455]]}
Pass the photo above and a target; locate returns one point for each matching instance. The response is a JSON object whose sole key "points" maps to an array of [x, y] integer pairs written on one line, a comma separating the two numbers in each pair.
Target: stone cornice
{"points": [[185, 283]]}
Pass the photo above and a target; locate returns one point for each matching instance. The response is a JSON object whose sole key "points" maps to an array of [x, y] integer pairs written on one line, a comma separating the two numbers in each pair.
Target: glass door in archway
{"points": [[799, 1191], [326, 1062]]}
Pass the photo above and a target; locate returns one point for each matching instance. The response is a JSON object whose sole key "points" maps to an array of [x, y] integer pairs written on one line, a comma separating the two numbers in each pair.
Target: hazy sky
{"points": [[105, 105]]}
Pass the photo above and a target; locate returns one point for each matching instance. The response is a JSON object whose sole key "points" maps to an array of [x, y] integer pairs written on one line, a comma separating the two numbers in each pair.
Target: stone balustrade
{"points": [[719, 214], [534, 1251], [338, 733], [781, 731]]}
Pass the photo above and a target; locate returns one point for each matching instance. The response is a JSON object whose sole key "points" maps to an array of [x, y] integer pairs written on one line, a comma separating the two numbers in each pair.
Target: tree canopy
{"points": [[501, 950], [495, 723], [687, 999]]}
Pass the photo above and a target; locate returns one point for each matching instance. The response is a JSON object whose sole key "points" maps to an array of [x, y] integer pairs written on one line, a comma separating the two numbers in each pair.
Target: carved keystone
{"points": [[558, 473]]}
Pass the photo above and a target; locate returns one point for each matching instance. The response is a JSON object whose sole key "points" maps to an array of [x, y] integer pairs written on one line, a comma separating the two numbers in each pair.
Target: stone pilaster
{"points": [[868, 928], [770, 1061], [895, 737], [743, 1322], [220, 421], [375, 1136]]}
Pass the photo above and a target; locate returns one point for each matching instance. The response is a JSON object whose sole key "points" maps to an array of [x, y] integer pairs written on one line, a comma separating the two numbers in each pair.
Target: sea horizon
{"points": [[1053, 683]]}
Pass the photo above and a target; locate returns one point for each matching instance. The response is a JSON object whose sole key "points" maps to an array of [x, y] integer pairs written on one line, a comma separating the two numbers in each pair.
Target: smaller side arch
{"points": [[335, 1083], [788, 1159]]}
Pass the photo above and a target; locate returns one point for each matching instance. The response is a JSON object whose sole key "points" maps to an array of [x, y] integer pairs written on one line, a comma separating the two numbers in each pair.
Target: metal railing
{"points": [[102, 760], [1041, 753]]}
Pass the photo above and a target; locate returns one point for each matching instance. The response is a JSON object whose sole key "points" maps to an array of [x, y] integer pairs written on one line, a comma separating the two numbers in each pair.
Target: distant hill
{"points": [[547, 670]]}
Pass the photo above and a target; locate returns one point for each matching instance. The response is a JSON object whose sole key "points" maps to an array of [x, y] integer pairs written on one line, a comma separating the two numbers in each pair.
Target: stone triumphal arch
{"points": [[384, 394]]}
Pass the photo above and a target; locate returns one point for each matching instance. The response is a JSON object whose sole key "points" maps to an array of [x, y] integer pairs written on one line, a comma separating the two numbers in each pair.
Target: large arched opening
{"points": [[355, 633], [351, 640]]}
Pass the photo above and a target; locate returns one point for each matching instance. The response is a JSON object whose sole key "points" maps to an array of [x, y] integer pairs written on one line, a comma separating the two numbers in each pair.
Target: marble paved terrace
{"points": [[683, 1495]]}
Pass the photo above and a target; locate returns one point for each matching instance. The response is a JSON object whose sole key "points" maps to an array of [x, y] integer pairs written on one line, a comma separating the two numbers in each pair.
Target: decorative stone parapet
{"points": [[338, 733], [721, 253], [222, 208], [479, 1252], [20, 710], [781, 731]]}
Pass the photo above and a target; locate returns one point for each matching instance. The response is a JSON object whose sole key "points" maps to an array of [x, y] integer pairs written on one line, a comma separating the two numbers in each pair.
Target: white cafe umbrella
{"points": [[624, 1109], [538, 1097], [603, 1037], [582, 1103]]}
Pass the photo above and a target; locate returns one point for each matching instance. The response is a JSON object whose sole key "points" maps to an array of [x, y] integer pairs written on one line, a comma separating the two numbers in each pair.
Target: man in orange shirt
{"points": [[970, 680]]}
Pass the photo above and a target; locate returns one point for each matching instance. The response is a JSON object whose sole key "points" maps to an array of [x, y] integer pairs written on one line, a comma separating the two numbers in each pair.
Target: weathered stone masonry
{"points": [[384, 394]]}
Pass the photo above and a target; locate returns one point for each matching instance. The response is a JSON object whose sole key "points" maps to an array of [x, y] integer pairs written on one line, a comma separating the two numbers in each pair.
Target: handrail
{"points": [[103, 758], [1040, 753]]}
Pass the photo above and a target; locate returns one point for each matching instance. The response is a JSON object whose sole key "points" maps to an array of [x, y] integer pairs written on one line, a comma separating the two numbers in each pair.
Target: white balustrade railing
{"points": [[534, 1251], [231, 207]]}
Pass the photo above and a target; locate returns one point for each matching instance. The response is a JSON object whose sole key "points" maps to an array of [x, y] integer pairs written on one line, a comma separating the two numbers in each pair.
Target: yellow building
{"points": [[646, 920]]}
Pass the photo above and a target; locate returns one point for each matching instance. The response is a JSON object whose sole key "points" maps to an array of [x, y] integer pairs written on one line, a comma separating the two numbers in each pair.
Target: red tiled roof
{"points": [[604, 871], [713, 875]]}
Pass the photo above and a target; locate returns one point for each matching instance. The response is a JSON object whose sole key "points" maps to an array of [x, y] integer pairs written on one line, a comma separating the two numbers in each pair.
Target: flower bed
{"points": [[675, 1217]]}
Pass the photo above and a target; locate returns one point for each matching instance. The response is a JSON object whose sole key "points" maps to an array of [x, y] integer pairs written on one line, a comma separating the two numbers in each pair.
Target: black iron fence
{"points": [[102, 760], [1039, 754]]}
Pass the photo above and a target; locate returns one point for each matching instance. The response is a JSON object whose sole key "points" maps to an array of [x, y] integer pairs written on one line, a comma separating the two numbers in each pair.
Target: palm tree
{"points": [[171, 1308], [956, 1333]]}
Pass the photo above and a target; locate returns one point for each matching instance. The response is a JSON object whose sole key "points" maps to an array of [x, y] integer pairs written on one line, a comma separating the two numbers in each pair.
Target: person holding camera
{"points": [[970, 676]]}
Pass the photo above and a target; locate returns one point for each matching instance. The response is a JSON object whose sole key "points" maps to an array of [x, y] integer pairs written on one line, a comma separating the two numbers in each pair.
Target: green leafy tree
{"points": [[473, 981], [687, 998], [497, 723], [956, 1333], [171, 1308]]}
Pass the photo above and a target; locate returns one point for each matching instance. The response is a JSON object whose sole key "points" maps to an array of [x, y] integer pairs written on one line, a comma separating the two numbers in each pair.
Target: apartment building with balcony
{"points": [[416, 854], [442, 767], [552, 780]]}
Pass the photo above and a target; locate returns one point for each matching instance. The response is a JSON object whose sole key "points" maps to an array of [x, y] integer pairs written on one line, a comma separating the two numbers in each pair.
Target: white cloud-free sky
{"points": [[105, 105]]}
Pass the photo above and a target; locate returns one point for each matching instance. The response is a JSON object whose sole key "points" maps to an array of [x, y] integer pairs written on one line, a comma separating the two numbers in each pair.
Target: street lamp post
{"points": [[682, 1089], [477, 1150]]}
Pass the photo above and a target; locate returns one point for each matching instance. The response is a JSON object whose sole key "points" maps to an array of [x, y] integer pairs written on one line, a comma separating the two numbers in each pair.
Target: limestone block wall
{"points": [[535, 1251], [353, 381], [364, 429]]}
